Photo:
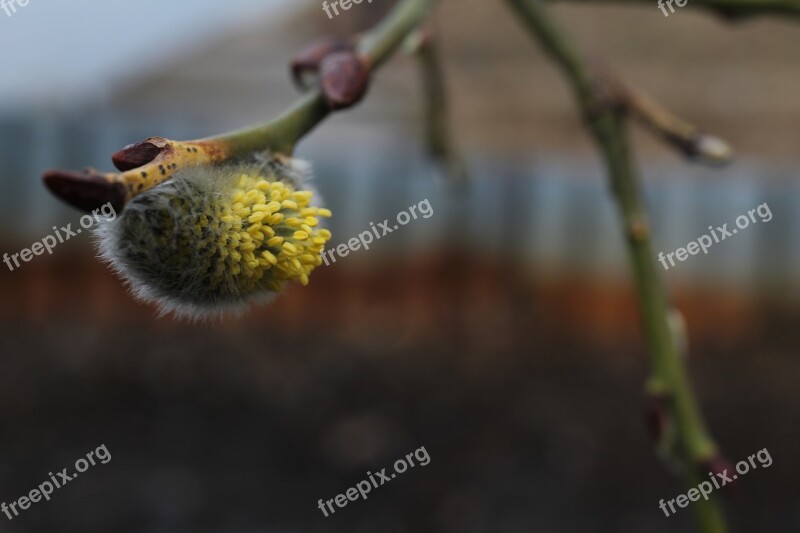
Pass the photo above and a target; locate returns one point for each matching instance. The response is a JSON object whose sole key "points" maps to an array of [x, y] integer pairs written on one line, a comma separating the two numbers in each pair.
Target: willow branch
{"points": [[155, 160], [375, 47], [727, 8], [672, 129], [438, 133], [606, 123]]}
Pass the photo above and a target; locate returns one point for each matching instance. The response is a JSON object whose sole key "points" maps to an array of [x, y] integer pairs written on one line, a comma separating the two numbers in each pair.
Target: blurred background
{"points": [[501, 333]]}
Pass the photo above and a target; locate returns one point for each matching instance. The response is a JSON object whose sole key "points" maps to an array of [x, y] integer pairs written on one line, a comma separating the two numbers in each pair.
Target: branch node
{"points": [[344, 79], [638, 229], [305, 64]]}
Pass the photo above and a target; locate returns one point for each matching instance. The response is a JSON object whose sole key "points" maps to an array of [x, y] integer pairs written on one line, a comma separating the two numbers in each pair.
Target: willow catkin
{"points": [[212, 240]]}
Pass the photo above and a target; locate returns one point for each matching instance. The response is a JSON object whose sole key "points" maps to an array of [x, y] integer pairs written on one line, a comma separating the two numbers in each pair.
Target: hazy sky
{"points": [[54, 51]]}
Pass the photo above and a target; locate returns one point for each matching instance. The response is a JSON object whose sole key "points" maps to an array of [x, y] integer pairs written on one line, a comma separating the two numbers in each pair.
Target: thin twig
{"points": [[424, 44], [161, 158], [675, 131], [607, 124], [729, 8]]}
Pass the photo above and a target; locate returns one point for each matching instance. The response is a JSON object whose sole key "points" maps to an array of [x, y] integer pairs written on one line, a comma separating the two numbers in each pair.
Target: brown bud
{"points": [[731, 14], [309, 58], [420, 39], [344, 79], [85, 190], [707, 149], [722, 473], [135, 155], [656, 416]]}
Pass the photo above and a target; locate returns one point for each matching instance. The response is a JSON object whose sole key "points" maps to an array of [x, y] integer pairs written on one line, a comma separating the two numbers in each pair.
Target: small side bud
{"points": [[731, 15], [418, 40], [344, 79], [656, 416], [307, 61], [723, 472], [136, 155], [700, 147], [712, 150], [85, 190]]}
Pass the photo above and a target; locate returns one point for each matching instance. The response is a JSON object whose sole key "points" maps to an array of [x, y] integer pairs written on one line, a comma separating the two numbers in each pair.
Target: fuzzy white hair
{"points": [[162, 239]]}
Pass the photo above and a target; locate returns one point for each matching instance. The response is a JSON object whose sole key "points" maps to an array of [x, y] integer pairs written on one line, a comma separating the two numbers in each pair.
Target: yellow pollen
{"points": [[269, 234]]}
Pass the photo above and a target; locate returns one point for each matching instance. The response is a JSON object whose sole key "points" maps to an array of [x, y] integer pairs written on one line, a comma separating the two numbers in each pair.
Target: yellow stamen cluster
{"points": [[270, 234]]}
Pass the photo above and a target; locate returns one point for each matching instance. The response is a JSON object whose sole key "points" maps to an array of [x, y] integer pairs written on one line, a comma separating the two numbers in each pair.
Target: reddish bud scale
{"points": [[135, 155], [85, 190], [307, 60], [656, 417], [344, 79]]}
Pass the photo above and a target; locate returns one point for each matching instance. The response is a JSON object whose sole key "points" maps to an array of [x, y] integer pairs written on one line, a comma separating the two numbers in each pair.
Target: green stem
{"points": [[378, 45], [437, 113], [607, 125], [284, 132], [435, 100], [743, 8]]}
